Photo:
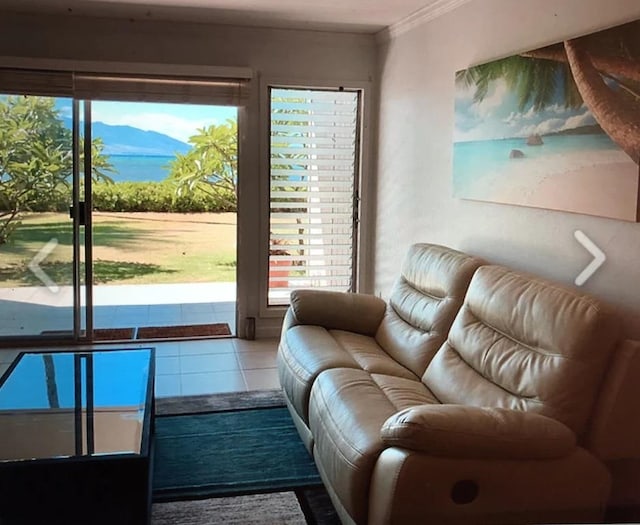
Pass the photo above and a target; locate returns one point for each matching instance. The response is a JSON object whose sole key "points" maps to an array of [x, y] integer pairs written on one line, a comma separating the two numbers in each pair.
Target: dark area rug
{"points": [[193, 330], [235, 452], [313, 500]]}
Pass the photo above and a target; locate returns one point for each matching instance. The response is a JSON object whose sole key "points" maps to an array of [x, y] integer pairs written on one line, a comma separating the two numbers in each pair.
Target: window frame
{"points": [[363, 184]]}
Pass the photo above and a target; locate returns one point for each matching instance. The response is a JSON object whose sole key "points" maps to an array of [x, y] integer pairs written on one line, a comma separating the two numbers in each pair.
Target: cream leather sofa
{"points": [[476, 395]]}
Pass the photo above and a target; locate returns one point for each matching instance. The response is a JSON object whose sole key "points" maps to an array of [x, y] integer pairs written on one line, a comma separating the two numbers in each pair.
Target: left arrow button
{"points": [[34, 265]]}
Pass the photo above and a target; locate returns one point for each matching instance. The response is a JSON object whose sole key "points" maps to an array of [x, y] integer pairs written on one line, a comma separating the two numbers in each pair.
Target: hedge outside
{"points": [[145, 196]]}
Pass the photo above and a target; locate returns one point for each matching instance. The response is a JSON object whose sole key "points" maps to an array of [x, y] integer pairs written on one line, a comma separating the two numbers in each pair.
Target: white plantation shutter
{"points": [[314, 164]]}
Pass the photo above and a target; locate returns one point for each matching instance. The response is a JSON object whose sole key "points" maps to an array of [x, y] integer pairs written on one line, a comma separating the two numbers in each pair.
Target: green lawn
{"points": [[129, 248]]}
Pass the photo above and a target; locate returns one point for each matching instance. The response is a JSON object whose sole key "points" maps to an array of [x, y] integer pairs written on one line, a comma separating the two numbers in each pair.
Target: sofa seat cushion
{"points": [[346, 412], [306, 351]]}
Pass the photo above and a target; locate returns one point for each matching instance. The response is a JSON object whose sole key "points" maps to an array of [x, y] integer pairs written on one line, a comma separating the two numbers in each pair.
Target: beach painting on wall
{"points": [[556, 127]]}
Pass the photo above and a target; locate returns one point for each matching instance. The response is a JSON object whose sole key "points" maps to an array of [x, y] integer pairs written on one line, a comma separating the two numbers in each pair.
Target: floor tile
{"points": [[257, 359], [208, 363], [197, 308], [167, 365], [244, 345], [212, 383], [169, 385], [201, 318], [261, 379], [208, 346], [166, 349], [165, 319], [224, 307]]}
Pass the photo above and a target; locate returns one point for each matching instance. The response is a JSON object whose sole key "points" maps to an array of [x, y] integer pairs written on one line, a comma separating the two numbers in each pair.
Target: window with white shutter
{"points": [[314, 166]]}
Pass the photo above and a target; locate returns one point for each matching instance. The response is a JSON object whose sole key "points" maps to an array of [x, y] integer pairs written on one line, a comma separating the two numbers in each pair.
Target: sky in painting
{"points": [[179, 121], [498, 116]]}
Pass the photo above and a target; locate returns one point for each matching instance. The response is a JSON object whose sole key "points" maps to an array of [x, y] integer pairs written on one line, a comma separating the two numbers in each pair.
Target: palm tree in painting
{"points": [[601, 70]]}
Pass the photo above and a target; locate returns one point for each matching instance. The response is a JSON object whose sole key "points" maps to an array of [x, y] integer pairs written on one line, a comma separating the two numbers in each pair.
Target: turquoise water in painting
{"points": [[475, 160], [140, 168]]}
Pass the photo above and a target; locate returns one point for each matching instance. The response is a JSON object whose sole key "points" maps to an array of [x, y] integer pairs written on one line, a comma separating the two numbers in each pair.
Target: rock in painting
{"points": [[534, 140], [516, 154]]}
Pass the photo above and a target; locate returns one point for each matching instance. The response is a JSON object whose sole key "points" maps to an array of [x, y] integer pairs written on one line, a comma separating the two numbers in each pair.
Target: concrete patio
{"points": [[27, 311]]}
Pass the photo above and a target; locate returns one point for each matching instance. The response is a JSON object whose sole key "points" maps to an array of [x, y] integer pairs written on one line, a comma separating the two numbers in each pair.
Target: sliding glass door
{"points": [[163, 219], [79, 218], [37, 235]]}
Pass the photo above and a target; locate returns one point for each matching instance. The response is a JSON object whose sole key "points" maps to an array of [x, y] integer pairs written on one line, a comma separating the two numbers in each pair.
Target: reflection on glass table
{"points": [[66, 404]]}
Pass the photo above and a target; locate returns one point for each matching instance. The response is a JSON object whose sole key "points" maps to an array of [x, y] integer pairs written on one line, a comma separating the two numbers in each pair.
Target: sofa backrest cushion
{"points": [[424, 302], [524, 343]]}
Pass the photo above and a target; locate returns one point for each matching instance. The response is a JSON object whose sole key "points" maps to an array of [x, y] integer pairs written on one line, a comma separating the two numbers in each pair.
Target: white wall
{"points": [[414, 189], [304, 57]]}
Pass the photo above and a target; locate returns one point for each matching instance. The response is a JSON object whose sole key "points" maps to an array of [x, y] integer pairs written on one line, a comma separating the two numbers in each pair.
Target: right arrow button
{"points": [[598, 257]]}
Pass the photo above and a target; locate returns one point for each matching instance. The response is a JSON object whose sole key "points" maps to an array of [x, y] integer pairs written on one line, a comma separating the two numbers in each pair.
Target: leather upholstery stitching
{"points": [[423, 292], [514, 394], [539, 351], [414, 327]]}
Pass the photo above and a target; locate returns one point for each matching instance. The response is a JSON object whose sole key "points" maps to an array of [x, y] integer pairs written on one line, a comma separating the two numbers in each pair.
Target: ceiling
{"points": [[362, 16]]}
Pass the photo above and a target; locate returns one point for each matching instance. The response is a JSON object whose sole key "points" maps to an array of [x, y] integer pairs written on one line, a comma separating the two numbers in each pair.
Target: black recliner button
{"points": [[464, 491]]}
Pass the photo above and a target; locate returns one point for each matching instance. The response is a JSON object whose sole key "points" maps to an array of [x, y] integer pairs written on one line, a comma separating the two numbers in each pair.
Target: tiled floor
{"points": [[204, 366]]}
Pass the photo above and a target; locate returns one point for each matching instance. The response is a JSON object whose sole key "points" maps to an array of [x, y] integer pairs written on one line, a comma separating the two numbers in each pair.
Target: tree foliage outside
{"points": [[601, 70], [211, 166], [36, 159]]}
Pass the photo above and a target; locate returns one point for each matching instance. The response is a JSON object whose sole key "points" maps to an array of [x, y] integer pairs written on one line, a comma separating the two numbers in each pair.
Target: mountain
{"points": [[127, 140]]}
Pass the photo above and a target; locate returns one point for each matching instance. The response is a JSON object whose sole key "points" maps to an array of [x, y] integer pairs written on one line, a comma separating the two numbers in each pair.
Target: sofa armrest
{"points": [[478, 432], [354, 312]]}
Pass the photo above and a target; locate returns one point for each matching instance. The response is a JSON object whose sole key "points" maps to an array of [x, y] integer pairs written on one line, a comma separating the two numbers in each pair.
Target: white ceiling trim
{"points": [[427, 13]]}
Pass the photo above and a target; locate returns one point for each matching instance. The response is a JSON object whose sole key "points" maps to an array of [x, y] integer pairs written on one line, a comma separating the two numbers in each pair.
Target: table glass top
{"points": [[65, 404]]}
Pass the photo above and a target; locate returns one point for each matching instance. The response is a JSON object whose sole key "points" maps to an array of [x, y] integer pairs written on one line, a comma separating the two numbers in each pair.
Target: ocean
{"points": [[473, 161], [139, 168]]}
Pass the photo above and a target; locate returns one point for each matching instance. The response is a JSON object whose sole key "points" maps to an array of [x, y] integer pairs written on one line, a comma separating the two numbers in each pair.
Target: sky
{"points": [[179, 121], [498, 116]]}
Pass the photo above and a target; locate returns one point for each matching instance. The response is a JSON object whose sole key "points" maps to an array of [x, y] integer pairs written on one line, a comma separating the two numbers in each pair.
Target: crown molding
{"points": [[421, 16]]}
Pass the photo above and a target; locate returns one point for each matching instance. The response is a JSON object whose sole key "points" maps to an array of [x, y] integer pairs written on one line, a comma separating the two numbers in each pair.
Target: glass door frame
{"points": [[86, 208], [81, 217]]}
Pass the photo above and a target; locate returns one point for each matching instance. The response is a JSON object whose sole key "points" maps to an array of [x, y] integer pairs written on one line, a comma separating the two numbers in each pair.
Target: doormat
{"points": [[193, 330], [109, 334], [99, 334]]}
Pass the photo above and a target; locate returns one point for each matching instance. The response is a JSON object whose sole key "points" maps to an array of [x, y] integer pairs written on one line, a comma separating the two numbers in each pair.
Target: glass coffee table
{"points": [[76, 437]]}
